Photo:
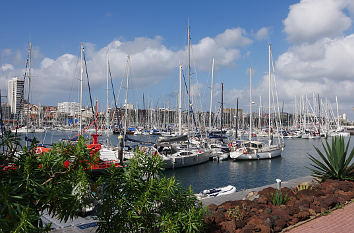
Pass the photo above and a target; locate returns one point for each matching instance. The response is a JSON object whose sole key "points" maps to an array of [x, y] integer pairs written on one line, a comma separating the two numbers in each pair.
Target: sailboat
{"points": [[186, 154], [255, 150], [94, 146]]}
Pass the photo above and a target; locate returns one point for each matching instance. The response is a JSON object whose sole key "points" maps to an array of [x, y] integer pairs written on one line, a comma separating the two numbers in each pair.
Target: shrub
{"points": [[141, 199], [278, 198], [31, 183], [336, 162], [237, 213]]}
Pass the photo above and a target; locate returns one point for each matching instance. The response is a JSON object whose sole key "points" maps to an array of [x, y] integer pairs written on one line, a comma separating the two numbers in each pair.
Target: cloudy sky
{"points": [[312, 49]]}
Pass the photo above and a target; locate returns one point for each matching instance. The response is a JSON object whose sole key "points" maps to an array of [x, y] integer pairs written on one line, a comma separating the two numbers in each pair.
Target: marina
{"points": [[241, 174]]}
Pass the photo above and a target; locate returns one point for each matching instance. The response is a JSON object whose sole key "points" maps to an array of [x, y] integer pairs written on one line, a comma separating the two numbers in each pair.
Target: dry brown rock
{"points": [[302, 215], [219, 216], [228, 226], [212, 207]]}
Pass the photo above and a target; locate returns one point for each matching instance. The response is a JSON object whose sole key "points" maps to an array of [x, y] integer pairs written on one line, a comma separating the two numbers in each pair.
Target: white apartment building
{"points": [[15, 94], [69, 107]]}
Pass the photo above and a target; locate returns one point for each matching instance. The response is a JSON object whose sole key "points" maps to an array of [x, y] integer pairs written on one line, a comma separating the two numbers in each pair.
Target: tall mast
{"points": [[338, 125], [29, 85], [126, 98], [250, 134], [180, 102], [236, 136], [107, 113], [269, 78], [211, 92], [222, 106], [259, 114], [189, 76], [81, 74]]}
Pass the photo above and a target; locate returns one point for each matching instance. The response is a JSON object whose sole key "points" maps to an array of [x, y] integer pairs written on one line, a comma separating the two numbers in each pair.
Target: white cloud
{"points": [[311, 20], [262, 33], [6, 67], [151, 62], [233, 37]]}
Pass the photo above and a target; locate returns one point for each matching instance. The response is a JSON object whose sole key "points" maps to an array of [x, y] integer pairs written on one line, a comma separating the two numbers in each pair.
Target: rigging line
{"points": [[115, 101], [88, 83]]}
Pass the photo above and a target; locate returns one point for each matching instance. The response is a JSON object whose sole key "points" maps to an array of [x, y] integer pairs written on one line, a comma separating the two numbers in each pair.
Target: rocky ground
{"points": [[259, 214]]}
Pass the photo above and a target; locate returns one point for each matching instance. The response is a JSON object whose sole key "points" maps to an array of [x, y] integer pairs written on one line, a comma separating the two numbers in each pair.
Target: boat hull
{"points": [[185, 161], [239, 155]]}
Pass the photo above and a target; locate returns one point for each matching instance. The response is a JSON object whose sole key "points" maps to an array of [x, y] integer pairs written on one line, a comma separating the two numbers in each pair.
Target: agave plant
{"points": [[336, 162]]}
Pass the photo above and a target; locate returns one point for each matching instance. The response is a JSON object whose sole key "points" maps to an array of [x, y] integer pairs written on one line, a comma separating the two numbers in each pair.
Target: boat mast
{"points": [[338, 124], [126, 98], [180, 102], [211, 92], [81, 74], [250, 134], [259, 113], [189, 76], [269, 77], [222, 106], [107, 113], [29, 86], [236, 136]]}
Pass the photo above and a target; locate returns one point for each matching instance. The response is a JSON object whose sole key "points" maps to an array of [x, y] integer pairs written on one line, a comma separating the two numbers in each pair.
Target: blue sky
{"points": [[154, 34]]}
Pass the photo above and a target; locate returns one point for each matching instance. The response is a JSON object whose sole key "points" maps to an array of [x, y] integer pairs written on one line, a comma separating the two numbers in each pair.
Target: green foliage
{"points": [[139, 198], [336, 162], [302, 186], [238, 213], [278, 198], [31, 183]]}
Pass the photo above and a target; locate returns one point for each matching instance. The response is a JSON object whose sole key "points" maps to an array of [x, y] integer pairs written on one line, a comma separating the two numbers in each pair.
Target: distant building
{"points": [[15, 95], [68, 107], [129, 106]]}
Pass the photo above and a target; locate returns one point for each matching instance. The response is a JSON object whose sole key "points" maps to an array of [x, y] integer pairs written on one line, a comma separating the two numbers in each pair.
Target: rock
{"points": [[293, 221], [227, 205], [265, 229], [267, 192], [268, 222], [251, 196], [228, 226], [254, 224], [302, 215], [293, 210], [281, 213], [267, 210], [219, 216], [328, 201], [315, 208], [312, 212], [346, 185], [262, 200], [279, 224], [212, 207]]}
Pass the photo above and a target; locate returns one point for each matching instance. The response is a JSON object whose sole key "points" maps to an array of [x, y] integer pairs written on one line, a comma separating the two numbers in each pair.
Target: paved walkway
{"points": [[339, 221]]}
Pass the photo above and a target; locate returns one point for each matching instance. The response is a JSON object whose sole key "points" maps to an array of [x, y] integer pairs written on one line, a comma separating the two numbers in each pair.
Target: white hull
{"points": [[216, 192], [180, 160], [269, 154]]}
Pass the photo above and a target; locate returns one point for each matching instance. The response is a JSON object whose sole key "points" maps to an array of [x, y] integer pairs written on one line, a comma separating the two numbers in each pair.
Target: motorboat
{"points": [[215, 192], [255, 150]]}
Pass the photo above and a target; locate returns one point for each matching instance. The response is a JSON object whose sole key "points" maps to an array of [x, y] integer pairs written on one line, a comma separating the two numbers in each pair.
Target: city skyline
{"points": [[312, 48]]}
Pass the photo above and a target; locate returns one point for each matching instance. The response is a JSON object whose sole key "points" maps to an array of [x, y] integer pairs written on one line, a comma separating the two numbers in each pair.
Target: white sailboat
{"points": [[183, 155], [254, 150]]}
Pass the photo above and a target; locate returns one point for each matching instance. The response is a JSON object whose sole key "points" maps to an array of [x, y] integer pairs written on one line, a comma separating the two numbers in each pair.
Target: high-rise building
{"points": [[15, 95], [68, 107]]}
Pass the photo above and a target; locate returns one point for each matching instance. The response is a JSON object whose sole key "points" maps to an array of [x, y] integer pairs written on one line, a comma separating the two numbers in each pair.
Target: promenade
{"points": [[338, 221]]}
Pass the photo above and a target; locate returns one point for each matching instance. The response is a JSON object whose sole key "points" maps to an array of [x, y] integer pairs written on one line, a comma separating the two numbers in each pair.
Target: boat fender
{"points": [[244, 150]]}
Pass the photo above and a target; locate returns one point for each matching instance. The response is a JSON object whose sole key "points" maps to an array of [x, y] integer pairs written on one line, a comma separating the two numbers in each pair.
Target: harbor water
{"points": [[242, 174]]}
